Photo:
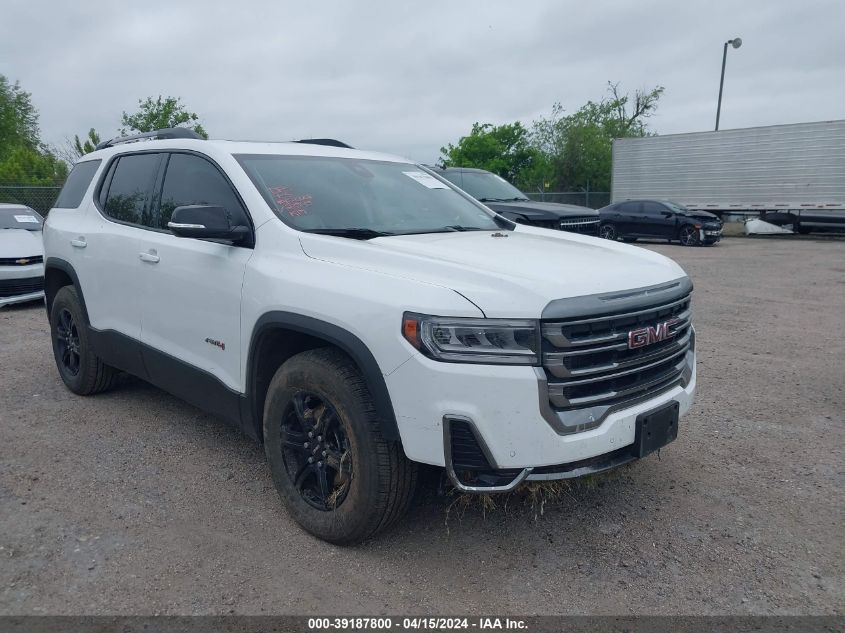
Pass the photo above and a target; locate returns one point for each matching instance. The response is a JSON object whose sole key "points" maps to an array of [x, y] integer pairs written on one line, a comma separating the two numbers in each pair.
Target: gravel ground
{"points": [[132, 502]]}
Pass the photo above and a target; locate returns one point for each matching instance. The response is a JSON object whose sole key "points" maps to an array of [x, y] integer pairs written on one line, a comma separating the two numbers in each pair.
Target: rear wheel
{"points": [[335, 472], [688, 235], [608, 232], [80, 368]]}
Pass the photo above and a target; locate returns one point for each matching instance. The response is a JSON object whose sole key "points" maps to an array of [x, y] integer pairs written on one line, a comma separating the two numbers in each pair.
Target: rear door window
{"points": [[129, 197], [630, 207], [77, 184]]}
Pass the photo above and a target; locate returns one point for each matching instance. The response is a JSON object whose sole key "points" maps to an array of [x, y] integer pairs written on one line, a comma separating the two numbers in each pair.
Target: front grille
{"points": [[21, 261], [15, 287], [588, 361], [586, 226], [543, 224]]}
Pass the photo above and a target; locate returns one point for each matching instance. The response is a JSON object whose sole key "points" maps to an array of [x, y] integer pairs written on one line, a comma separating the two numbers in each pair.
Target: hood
{"points": [[540, 210], [20, 243], [514, 276], [702, 215]]}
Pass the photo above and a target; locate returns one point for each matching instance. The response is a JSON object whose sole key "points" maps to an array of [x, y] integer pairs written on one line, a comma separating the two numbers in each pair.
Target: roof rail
{"points": [[171, 132], [324, 141]]}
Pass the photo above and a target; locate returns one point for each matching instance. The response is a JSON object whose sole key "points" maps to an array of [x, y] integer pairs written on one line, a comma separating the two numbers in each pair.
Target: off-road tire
{"points": [[92, 375], [383, 479]]}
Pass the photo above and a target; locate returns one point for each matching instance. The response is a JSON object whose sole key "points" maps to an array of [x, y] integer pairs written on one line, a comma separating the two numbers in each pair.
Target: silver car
{"points": [[21, 255]]}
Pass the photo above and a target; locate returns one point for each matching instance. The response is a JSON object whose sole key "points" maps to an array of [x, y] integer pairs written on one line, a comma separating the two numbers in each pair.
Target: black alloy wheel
{"points": [[316, 451], [608, 232], [688, 235], [67, 341]]}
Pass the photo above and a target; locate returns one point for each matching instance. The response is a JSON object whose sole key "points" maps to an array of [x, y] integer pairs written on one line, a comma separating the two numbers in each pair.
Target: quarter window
{"points": [[194, 180], [77, 184], [129, 197]]}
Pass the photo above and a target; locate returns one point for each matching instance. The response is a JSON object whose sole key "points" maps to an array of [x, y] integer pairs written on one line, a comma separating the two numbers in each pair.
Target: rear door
{"points": [[192, 287], [105, 247], [628, 218]]}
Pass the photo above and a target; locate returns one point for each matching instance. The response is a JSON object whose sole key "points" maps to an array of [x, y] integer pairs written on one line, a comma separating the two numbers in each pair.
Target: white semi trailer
{"points": [[787, 174]]}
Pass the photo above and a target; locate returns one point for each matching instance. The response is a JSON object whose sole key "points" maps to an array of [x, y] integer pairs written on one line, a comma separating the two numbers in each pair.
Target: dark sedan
{"points": [[659, 219], [508, 201]]}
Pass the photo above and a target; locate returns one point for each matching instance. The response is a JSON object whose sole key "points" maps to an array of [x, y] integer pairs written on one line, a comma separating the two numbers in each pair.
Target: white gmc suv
{"points": [[359, 315]]}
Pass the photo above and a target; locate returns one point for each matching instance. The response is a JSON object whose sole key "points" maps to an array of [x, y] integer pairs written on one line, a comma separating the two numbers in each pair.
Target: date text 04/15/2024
{"points": [[416, 623]]}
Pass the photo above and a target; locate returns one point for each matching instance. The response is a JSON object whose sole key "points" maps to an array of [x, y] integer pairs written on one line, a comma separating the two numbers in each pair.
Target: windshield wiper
{"points": [[353, 232], [458, 227], [491, 200]]}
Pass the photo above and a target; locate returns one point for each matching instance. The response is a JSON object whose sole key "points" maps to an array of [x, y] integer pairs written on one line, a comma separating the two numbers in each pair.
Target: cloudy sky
{"points": [[409, 77]]}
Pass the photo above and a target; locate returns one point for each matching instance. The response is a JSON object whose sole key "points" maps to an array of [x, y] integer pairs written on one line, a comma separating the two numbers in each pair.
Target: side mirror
{"points": [[668, 214], [205, 222]]}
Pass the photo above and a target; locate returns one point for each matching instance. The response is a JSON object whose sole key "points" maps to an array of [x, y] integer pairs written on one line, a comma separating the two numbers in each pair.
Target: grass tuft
{"points": [[531, 497]]}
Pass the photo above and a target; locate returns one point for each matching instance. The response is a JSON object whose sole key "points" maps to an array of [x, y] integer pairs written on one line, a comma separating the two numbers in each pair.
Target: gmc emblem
{"points": [[650, 335]]}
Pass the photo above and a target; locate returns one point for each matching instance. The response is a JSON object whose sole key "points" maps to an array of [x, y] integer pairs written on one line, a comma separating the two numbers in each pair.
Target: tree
{"points": [[504, 149], [89, 145], [159, 113], [29, 167], [24, 160], [18, 118], [579, 146]]}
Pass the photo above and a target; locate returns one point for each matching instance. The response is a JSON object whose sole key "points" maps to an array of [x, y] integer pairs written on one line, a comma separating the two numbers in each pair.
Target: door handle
{"points": [[149, 256], [79, 242]]}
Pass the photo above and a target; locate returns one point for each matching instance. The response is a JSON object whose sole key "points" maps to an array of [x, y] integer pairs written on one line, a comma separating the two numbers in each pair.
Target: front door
{"points": [[192, 289], [657, 220]]}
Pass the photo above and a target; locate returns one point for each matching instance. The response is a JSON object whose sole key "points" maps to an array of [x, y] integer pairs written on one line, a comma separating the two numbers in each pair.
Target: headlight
{"points": [[487, 341]]}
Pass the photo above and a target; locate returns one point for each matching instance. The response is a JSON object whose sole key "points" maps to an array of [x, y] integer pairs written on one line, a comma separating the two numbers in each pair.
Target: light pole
{"points": [[736, 43]]}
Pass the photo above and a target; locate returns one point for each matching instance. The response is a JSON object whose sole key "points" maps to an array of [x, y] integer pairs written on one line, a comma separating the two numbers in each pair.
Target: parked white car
{"points": [[21, 255], [359, 315]]}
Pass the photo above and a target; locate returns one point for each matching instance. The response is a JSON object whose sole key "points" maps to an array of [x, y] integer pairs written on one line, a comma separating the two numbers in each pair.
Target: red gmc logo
{"points": [[649, 335]]}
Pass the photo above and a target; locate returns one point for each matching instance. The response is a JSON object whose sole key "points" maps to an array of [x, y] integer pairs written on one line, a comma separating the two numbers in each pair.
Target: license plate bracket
{"points": [[656, 428]]}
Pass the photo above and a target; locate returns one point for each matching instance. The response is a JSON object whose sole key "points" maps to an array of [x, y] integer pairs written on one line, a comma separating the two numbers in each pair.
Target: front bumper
{"points": [[31, 296], [503, 405], [19, 284], [709, 236]]}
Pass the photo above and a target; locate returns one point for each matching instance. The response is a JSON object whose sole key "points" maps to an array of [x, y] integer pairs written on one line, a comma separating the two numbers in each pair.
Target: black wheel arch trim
{"points": [[66, 267], [250, 417], [334, 335]]}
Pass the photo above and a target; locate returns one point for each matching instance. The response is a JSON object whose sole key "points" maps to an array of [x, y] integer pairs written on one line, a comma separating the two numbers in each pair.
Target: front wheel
{"points": [[608, 232], [688, 236], [337, 475]]}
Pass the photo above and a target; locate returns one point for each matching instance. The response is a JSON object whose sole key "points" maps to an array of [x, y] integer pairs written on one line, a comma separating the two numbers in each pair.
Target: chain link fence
{"points": [[592, 199], [39, 198]]}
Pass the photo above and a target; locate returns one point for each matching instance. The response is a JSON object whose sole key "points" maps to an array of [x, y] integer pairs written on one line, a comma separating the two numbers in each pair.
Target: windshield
{"points": [[362, 198], [484, 186], [20, 218], [677, 208]]}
